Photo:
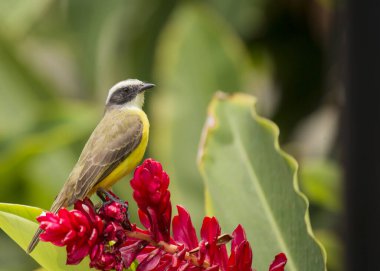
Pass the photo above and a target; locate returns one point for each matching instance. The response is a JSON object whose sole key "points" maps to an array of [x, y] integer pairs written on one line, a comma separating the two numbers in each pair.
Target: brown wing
{"points": [[115, 137]]}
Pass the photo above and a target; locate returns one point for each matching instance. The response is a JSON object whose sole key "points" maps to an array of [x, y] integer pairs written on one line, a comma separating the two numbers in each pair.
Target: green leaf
{"points": [[251, 181], [197, 54], [18, 222]]}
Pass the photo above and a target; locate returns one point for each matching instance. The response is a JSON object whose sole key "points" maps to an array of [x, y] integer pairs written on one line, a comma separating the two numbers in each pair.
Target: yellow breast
{"points": [[131, 160]]}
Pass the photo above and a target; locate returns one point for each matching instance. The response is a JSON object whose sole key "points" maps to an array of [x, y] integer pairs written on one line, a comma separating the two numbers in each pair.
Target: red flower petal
{"points": [[96, 251], [130, 252], [75, 253], [70, 237], [178, 257], [278, 263], [213, 268], [241, 252], [151, 261], [183, 229], [238, 236], [210, 229], [144, 219], [209, 232], [80, 219]]}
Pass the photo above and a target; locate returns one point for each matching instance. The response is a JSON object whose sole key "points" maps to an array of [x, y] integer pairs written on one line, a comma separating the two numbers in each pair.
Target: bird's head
{"points": [[127, 93]]}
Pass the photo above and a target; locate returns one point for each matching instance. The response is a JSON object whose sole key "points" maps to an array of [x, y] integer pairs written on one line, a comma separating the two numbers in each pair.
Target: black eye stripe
{"points": [[122, 96]]}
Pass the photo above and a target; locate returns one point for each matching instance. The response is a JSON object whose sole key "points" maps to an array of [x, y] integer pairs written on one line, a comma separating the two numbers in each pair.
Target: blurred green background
{"points": [[59, 58]]}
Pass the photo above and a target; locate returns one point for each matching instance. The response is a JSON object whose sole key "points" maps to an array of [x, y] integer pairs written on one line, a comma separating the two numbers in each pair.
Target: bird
{"points": [[114, 149]]}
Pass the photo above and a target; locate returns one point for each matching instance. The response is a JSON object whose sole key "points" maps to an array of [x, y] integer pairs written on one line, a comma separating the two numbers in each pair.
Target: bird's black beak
{"points": [[146, 86]]}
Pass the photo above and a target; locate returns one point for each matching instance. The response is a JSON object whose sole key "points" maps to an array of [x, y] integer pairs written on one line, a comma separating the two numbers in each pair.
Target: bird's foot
{"points": [[108, 197]]}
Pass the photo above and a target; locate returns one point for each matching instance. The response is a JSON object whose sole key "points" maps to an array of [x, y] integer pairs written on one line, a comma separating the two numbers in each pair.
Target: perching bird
{"points": [[114, 149]]}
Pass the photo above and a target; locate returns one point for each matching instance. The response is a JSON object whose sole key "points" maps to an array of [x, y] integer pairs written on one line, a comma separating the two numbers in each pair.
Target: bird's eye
{"points": [[122, 95], [126, 89]]}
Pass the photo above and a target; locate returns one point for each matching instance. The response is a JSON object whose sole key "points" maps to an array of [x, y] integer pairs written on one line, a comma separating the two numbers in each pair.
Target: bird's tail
{"points": [[35, 240], [58, 203]]}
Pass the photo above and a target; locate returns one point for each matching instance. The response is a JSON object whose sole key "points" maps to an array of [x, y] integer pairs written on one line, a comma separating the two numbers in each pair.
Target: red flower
{"points": [[241, 252], [113, 243], [278, 263], [114, 211], [103, 260], [78, 229], [150, 190], [210, 250], [106, 255]]}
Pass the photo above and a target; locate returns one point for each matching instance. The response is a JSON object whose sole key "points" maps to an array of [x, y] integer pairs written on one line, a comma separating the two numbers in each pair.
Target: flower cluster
{"points": [[111, 241], [87, 231], [78, 230], [150, 191]]}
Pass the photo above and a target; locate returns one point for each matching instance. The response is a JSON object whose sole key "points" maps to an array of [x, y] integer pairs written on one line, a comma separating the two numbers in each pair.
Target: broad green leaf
{"points": [[18, 222], [197, 55], [26, 212], [251, 181]]}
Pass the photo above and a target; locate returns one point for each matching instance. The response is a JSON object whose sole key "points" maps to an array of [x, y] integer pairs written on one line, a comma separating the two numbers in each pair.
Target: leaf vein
{"points": [[251, 171]]}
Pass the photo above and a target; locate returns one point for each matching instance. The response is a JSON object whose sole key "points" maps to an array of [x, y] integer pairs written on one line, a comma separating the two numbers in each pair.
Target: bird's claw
{"points": [[108, 197]]}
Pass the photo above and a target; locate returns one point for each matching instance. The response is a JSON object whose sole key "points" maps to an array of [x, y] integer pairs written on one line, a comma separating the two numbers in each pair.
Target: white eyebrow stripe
{"points": [[121, 84]]}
